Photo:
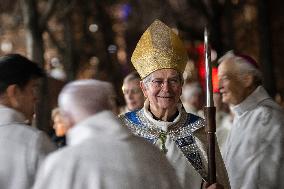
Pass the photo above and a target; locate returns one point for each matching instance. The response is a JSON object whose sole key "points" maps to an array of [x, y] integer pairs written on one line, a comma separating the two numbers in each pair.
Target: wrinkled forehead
{"points": [[227, 67], [165, 73]]}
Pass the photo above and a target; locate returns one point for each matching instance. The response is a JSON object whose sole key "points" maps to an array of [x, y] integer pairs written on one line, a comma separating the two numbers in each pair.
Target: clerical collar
{"points": [[257, 96], [164, 125], [10, 115], [172, 118]]}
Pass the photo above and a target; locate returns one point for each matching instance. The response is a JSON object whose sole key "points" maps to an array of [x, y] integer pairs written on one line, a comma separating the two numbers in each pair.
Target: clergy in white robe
{"points": [[22, 148], [100, 153], [254, 148]]}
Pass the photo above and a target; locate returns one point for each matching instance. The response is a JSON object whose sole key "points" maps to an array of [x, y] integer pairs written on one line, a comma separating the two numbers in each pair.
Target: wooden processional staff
{"points": [[209, 112]]}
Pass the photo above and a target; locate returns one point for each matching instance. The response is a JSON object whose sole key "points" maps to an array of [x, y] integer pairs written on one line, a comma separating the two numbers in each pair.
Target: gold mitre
{"points": [[159, 48]]}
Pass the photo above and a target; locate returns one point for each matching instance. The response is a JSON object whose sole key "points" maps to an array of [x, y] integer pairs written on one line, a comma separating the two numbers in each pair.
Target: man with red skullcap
{"points": [[254, 148]]}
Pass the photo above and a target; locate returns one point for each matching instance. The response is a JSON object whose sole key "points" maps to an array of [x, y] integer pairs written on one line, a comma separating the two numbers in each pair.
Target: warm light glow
{"points": [[6, 46], [175, 30], [121, 56], [250, 13], [235, 2], [94, 61], [93, 28], [201, 68]]}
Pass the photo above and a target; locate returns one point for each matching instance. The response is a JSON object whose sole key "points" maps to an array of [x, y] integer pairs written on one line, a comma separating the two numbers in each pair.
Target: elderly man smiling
{"points": [[254, 149], [160, 59]]}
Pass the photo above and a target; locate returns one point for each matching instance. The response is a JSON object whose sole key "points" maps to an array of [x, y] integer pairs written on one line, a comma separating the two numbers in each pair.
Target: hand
{"points": [[212, 186]]}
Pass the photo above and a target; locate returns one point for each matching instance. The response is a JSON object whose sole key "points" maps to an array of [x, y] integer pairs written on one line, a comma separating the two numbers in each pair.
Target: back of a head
{"points": [[17, 69], [83, 98]]}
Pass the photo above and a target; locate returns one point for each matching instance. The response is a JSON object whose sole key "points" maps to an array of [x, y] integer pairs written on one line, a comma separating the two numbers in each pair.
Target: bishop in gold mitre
{"points": [[160, 59], [159, 48]]}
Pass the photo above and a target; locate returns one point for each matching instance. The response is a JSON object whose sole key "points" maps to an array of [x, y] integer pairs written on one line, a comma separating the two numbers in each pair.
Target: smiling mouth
{"points": [[164, 96]]}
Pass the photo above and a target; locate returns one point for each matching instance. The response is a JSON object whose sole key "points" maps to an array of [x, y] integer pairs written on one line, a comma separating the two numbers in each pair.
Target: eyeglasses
{"points": [[159, 83], [131, 91]]}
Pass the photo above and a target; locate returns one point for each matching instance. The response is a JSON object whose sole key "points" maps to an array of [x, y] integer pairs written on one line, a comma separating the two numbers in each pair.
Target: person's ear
{"points": [[144, 90], [248, 80], [12, 92]]}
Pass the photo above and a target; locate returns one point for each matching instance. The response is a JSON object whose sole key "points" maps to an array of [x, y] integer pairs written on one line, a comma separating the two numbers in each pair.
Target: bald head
{"points": [[83, 98]]}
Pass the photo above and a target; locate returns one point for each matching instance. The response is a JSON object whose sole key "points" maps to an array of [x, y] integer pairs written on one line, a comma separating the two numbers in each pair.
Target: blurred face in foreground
{"points": [[163, 91], [133, 95]]}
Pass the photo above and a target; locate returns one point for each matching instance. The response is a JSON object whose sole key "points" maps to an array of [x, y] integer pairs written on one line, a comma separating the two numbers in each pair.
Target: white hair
{"points": [[245, 67], [147, 79], [190, 90], [83, 98]]}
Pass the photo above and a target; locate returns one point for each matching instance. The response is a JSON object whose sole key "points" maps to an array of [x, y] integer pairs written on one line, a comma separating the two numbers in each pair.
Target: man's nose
{"points": [[165, 86], [130, 95]]}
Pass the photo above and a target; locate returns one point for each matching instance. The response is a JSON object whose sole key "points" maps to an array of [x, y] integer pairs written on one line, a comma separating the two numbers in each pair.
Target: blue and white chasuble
{"points": [[183, 141]]}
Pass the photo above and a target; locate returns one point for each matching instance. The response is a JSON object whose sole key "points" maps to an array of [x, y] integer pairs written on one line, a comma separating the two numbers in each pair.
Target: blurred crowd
{"points": [[157, 140]]}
